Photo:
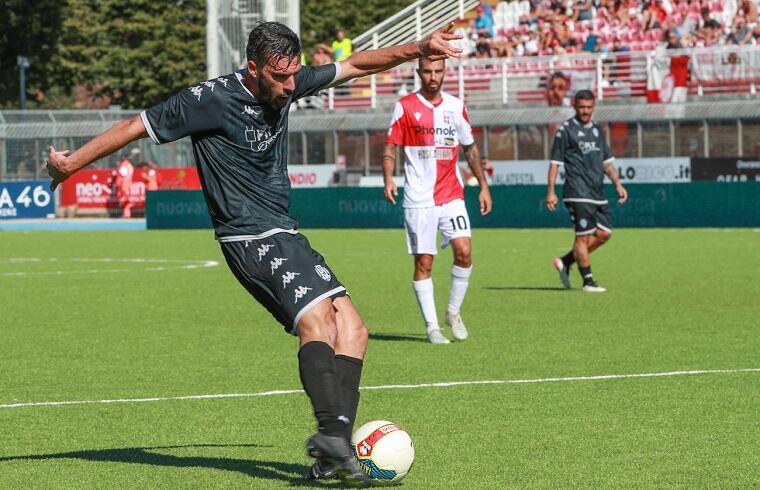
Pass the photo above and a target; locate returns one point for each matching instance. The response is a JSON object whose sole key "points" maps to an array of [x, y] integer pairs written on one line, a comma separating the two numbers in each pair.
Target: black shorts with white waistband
{"points": [[283, 273], [588, 216]]}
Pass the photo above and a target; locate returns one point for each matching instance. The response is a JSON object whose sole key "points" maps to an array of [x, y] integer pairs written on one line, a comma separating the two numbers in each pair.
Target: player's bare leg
{"points": [[319, 336], [423, 291], [582, 248], [592, 242], [460, 278]]}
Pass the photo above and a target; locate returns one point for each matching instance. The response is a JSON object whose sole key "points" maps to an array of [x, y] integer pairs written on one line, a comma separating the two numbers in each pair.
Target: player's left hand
{"points": [[436, 46], [622, 193], [56, 167], [486, 204]]}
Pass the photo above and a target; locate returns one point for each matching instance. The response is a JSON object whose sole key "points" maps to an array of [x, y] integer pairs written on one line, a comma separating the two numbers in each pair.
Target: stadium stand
{"points": [[627, 52]]}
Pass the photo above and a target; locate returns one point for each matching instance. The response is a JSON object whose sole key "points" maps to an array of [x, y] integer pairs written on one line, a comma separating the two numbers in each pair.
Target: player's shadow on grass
{"points": [[294, 474], [524, 288], [397, 337]]}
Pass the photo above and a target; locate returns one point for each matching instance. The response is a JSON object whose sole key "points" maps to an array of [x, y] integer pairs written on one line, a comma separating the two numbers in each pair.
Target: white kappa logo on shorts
{"points": [[287, 277], [301, 292], [276, 263], [263, 250], [322, 272]]}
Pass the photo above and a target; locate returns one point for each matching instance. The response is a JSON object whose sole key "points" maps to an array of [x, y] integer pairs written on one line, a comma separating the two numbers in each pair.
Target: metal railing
{"points": [[413, 23], [726, 71]]}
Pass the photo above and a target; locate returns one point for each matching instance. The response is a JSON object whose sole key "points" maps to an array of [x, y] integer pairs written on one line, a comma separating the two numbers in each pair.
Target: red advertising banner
{"points": [[100, 188]]}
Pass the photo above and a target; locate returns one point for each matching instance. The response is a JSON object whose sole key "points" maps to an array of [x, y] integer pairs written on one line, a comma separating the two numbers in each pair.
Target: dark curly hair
{"points": [[270, 41]]}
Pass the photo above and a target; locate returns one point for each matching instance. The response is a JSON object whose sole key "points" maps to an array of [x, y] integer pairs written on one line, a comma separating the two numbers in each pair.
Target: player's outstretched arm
{"points": [[60, 165], [435, 46], [389, 163], [472, 154], [611, 172]]}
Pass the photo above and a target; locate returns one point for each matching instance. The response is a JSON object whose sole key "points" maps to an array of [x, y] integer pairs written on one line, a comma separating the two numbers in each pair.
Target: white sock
{"points": [[460, 279], [424, 291]]}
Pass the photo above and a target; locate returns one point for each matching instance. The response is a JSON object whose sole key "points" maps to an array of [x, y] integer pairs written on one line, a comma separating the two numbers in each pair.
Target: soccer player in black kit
{"points": [[580, 147], [238, 124]]}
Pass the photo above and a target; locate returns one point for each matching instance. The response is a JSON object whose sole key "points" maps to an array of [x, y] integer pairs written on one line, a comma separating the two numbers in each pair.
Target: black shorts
{"points": [[284, 274], [587, 217]]}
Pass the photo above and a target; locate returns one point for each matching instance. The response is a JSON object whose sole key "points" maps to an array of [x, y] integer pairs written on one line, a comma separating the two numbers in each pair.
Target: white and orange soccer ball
{"points": [[384, 451]]}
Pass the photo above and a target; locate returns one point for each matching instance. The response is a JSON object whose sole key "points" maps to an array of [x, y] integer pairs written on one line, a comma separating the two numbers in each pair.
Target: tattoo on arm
{"points": [[389, 159], [472, 155]]}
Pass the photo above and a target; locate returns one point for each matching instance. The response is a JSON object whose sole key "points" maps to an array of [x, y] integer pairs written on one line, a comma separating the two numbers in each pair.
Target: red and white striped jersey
{"points": [[431, 135]]}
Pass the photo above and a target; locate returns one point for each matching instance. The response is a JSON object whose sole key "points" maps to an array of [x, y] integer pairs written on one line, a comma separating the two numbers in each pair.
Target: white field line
{"points": [[163, 264], [391, 387]]}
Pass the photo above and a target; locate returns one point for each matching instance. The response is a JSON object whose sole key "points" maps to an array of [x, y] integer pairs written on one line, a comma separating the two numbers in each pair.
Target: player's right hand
{"points": [[437, 45], [56, 167], [391, 191], [551, 201]]}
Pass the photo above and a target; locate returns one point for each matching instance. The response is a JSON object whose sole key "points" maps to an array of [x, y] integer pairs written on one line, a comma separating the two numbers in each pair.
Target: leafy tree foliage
{"points": [[137, 52], [321, 19], [30, 29]]}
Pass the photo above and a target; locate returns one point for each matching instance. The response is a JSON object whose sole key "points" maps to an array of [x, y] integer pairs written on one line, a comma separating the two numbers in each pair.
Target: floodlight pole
{"points": [[213, 55], [23, 65]]}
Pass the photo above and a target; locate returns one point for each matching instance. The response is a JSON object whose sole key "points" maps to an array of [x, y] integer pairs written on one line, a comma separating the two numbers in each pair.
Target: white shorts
{"points": [[422, 225]]}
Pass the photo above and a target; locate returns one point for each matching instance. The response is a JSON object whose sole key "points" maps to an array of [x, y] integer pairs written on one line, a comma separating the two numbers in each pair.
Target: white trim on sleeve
{"points": [[337, 73], [609, 160], [556, 162], [148, 127]]}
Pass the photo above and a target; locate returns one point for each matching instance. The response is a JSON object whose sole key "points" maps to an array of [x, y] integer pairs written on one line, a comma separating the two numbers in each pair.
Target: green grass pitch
{"points": [[76, 324]]}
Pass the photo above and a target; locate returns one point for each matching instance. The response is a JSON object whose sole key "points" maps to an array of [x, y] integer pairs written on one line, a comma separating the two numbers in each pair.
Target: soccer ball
{"points": [[384, 451]]}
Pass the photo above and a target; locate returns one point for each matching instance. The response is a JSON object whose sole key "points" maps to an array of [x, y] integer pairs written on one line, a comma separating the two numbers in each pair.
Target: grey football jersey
{"points": [[240, 147], [583, 151]]}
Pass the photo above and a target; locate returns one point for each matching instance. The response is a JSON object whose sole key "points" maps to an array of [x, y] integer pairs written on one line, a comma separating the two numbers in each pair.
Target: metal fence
{"points": [[704, 129], [623, 77]]}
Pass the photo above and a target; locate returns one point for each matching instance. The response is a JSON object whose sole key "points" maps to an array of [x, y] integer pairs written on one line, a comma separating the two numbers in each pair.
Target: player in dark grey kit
{"points": [[580, 146], [238, 124]]}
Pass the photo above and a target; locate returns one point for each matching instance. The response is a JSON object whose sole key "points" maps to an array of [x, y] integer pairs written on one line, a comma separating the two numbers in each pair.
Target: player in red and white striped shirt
{"points": [[430, 125]]}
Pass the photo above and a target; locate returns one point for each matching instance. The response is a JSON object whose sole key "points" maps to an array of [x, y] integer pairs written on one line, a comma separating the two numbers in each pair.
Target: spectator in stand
{"points": [[582, 10], [531, 44], [485, 32], [556, 90], [487, 9], [672, 41], [618, 47], [484, 22], [749, 9], [341, 47], [654, 15], [740, 33], [710, 28], [322, 55]]}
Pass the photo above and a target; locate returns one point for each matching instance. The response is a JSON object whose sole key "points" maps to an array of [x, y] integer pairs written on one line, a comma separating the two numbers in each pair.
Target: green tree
{"points": [[30, 29], [321, 19], [137, 52]]}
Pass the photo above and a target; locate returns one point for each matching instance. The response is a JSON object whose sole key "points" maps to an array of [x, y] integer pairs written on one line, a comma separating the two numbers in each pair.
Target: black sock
{"points": [[586, 274], [568, 259], [350, 373], [319, 376]]}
